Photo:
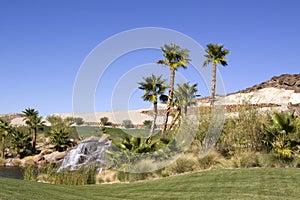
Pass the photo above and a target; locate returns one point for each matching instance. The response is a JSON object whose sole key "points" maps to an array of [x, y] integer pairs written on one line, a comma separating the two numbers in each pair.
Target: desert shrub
{"points": [[82, 176], [185, 163], [195, 147], [282, 135], [296, 161], [30, 173], [54, 119], [243, 132], [147, 123], [245, 160], [273, 161], [106, 176], [127, 123], [104, 121], [78, 121], [213, 160]]}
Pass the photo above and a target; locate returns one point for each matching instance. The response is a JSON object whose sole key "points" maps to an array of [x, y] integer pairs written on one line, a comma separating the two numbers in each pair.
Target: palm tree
{"points": [[186, 95], [5, 129], [175, 57], [154, 89], [34, 121], [216, 55]]}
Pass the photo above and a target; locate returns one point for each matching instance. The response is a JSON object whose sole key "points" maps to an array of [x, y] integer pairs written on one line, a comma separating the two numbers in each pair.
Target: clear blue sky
{"points": [[43, 43]]}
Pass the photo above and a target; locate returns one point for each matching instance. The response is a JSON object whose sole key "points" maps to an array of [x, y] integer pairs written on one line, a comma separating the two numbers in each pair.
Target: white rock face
{"points": [[269, 95], [262, 96]]}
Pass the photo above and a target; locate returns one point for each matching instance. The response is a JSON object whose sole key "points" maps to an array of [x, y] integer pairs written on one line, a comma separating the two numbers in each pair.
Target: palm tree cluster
{"points": [[34, 122], [185, 94]]}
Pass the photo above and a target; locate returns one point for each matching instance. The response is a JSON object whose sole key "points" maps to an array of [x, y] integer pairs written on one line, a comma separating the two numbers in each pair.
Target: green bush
{"points": [[127, 123], [282, 135], [104, 121], [242, 133], [213, 160], [245, 160], [60, 138], [21, 142]]}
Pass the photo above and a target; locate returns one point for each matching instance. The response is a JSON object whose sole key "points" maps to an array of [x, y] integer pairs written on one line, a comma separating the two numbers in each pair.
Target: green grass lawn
{"points": [[220, 184]]}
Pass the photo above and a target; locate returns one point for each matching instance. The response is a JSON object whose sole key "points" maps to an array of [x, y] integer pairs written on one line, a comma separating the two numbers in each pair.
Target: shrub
{"points": [[245, 160], [20, 141], [185, 163], [282, 135], [213, 160], [59, 137], [78, 121], [127, 123], [104, 121], [147, 123], [242, 133]]}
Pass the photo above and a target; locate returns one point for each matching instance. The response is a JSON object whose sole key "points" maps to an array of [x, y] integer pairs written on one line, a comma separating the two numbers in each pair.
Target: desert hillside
{"points": [[280, 93]]}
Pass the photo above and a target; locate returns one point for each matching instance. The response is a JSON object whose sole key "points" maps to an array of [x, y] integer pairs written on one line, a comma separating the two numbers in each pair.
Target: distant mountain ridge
{"points": [[284, 81]]}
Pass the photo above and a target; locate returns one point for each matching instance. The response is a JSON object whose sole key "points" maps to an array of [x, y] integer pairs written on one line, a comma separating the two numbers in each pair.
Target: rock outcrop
{"points": [[284, 81]]}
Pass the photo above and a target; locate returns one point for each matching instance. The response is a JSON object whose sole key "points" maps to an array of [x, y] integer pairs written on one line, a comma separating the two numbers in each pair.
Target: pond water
{"points": [[11, 172]]}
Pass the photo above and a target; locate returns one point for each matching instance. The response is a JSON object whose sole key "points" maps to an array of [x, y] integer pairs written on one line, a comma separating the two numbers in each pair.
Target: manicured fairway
{"points": [[219, 184]]}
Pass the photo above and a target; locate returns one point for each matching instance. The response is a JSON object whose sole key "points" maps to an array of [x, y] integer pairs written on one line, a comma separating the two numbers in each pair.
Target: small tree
{"points": [[104, 121], [147, 123], [78, 121], [54, 120], [127, 123]]}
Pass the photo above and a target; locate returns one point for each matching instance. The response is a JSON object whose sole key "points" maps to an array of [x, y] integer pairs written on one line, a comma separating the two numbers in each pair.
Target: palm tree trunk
{"points": [[178, 112], [185, 110], [3, 146], [213, 84], [34, 140], [154, 122], [170, 99]]}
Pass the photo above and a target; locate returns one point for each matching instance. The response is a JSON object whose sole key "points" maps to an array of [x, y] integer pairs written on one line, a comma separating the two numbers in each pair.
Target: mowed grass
{"points": [[251, 184]]}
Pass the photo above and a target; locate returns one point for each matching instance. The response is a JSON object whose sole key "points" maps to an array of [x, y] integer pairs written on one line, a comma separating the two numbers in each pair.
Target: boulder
{"points": [[55, 157]]}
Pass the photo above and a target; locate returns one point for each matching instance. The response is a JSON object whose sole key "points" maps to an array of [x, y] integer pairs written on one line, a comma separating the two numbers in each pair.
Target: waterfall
{"points": [[85, 153]]}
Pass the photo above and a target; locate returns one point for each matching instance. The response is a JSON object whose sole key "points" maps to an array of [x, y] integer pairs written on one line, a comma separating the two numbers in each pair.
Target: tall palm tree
{"points": [[216, 55], [186, 95], [5, 129], [175, 57], [34, 121], [154, 88]]}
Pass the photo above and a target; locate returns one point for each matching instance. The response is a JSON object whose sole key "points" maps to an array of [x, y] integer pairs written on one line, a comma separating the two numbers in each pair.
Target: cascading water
{"points": [[86, 153]]}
